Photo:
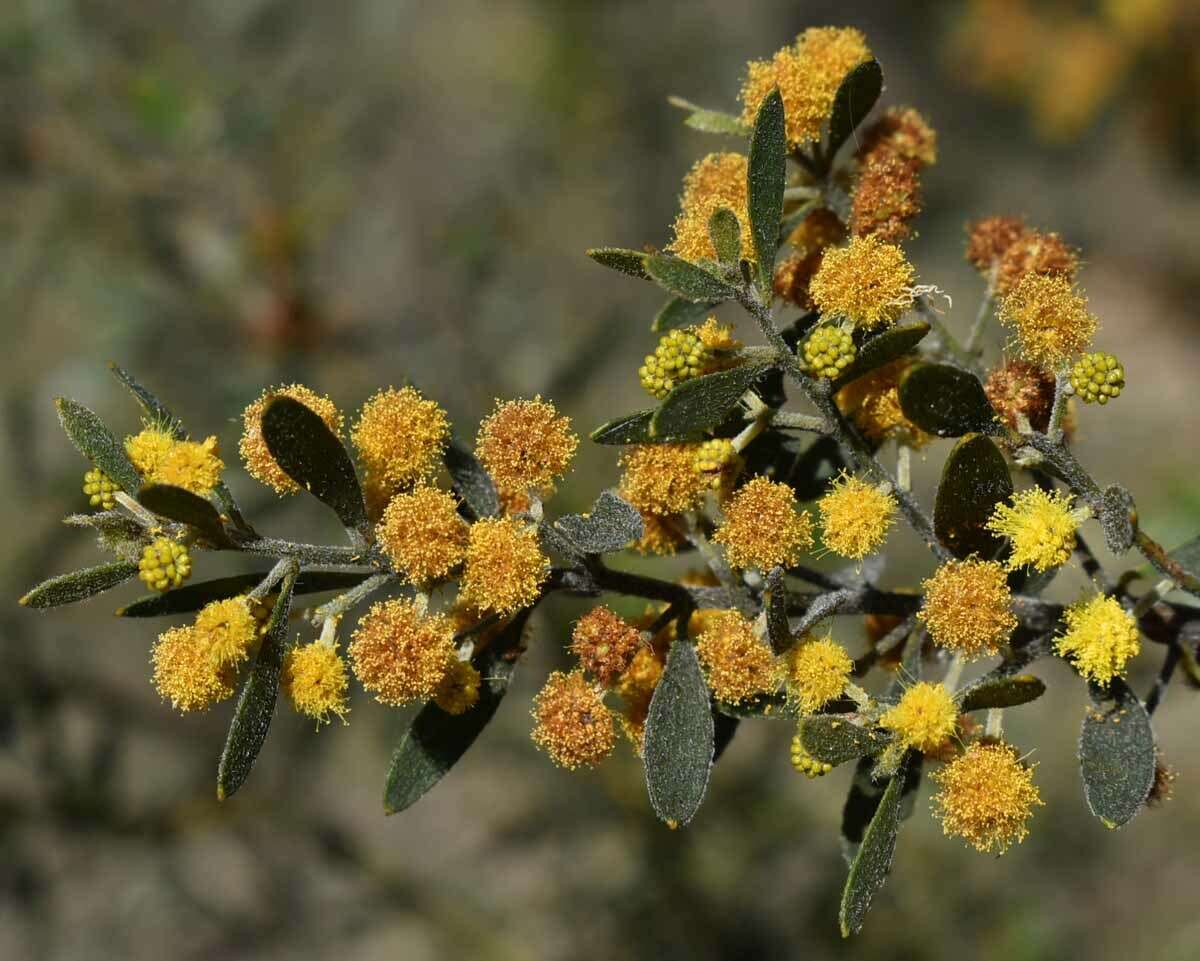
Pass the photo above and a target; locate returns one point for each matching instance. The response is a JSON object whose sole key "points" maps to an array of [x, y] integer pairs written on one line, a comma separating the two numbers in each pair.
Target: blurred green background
{"points": [[225, 194]]}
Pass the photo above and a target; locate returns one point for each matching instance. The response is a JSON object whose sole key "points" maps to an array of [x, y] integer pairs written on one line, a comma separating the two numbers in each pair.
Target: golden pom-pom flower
{"points": [[505, 567], [459, 690], [161, 459], [1040, 526], [968, 607], [400, 653], [400, 437], [227, 629], [573, 724], [738, 665], [716, 181], [986, 796], [165, 563], [146, 448], [1050, 318], [662, 478], [764, 526], [185, 674], [872, 402], [817, 671], [808, 75], [423, 534], [868, 282], [526, 445], [1101, 638], [100, 489], [855, 516], [253, 447], [924, 718], [605, 644], [314, 678]]}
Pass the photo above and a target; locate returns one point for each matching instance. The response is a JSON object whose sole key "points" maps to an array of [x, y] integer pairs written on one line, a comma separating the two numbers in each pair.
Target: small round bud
{"points": [[1097, 378], [718, 462], [679, 356], [164, 564], [829, 350], [100, 489], [805, 763], [573, 724]]}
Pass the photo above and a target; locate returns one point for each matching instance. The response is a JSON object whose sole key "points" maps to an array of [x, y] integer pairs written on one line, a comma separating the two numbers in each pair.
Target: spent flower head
{"points": [[605, 644]]}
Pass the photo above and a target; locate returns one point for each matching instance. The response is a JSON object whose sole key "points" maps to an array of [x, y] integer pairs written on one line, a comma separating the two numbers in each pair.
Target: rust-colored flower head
{"points": [[738, 665], [573, 725], [459, 690], [986, 796], [1050, 318], [989, 239], [764, 526], [873, 404], [924, 718], [605, 644], [855, 516], [400, 437], [526, 445], [400, 653], [968, 607], [887, 196], [902, 133], [185, 674], [315, 680], [1018, 389], [662, 478], [817, 671], [253, 447], [1038, 255], [819, 229], [868, 282], [423, 534], [505, 567], [717, 181]]}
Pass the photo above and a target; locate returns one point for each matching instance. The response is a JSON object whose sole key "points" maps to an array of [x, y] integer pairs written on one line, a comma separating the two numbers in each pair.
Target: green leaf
{"points": [[835, 740], [1187, 556], [775, 602], [192, 597], [871, 865], [470, 481], [765, 180], [709, 121], [79, 585], [763, 706], [183, 506], [882, 349], [726, 235], [991, 692], [974, 480], [1116, 756], [687, 280], [702, 403], [311, 455], [631, 429], [679, 738], [680, 312], [856, 96], [95, 442], [256, 704], [156, 412], [631, 262], [946, 401], [611, 525], [436, 740], [1117, 516], [725, 727]]}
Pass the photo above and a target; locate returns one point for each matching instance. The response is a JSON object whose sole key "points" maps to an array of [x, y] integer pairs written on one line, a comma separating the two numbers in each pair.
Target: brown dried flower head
{"points": [[605, 644]]}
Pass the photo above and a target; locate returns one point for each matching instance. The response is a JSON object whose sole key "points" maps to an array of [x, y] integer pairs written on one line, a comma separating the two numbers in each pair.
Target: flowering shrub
{"points": [[449, 549]]}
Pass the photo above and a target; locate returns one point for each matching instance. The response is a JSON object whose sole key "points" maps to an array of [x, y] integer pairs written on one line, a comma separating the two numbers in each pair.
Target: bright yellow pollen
{"points": [[817, 671], [423, 534], [161, 459], [1040, 526], [147, 448], [505, 567], [459, 690], [662, 478], [716, 336], [925, 717], [986, 797], [764, 527], [315, 679], [855, 516], [573, 725], [399, 653], [868, 282], [185, 675], [968, 607], [400, 437], [1051, 319], [808, 75], [738, 665], [253, 447], [526, 445], [718, 180], [227, 629], [1101, 638]]}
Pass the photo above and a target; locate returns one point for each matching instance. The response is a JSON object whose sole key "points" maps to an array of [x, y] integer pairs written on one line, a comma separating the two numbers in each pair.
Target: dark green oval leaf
{"points": [[991, 692], [470, 481], [882, 349], [612, 524], [192, 597], [702, 403], [726, 235], [725, 727], [687, 280], [946, 401], [974, 480], [79, 585], [631, 262], [177, 504], [873, 861], [311, 455], [856, 96], [1116, 756], [436, 740], [680, 312], [765, 174], [834, 740], [775, 601], [763, 706], [679, 738], [96, 442], [631, 429], [1117, 518], [256, 703]]}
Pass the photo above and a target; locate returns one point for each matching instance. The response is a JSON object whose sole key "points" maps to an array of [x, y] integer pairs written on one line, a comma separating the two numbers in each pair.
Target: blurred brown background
{"points": [[225, 194]]}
